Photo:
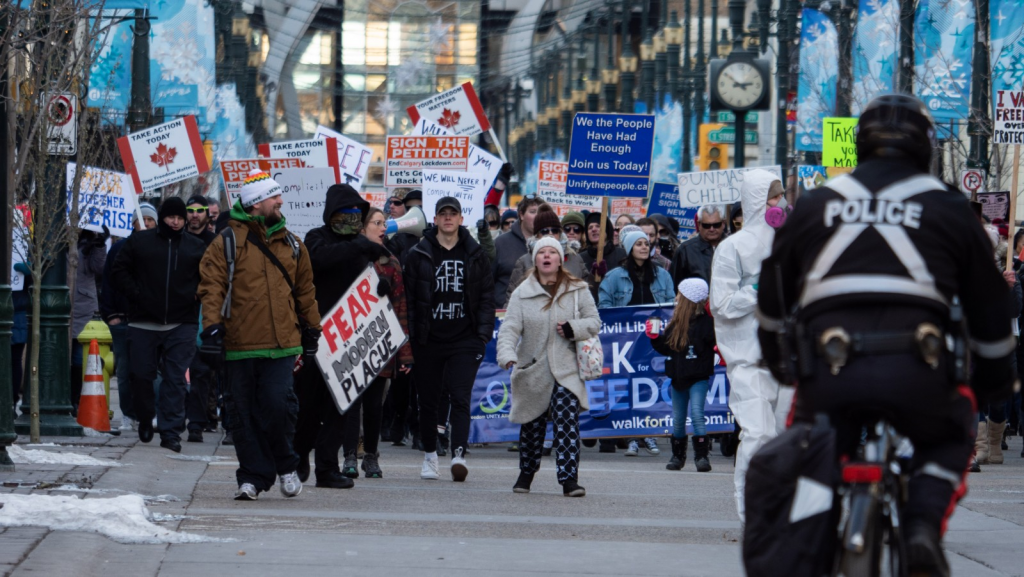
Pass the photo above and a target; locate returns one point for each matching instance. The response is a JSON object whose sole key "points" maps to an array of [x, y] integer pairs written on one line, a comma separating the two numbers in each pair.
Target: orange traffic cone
{"points": [[92, 407]]}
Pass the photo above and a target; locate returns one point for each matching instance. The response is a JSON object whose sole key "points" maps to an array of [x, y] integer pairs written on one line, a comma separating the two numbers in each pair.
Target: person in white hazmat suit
{"points": [[755, 398]]}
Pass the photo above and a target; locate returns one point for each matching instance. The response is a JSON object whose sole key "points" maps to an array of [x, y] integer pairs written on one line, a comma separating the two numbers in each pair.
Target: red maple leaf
{"points": [[163, 156], [448, 118]]}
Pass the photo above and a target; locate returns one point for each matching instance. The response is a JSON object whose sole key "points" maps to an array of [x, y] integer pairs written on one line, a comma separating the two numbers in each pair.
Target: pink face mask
{"points": [[775, 216]]}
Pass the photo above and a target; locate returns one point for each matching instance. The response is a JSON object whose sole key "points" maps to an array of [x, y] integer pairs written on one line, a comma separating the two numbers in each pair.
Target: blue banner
{"points": [[180, 68], [875, 44], [943, 44], [633, 399], [610, 154], [110, 82], [665, 200], [819, 69], [1007, 23], [668, 143]]}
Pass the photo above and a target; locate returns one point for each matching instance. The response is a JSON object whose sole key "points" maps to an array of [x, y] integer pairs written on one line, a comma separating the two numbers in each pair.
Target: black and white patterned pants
{"points": [[565, 414]]}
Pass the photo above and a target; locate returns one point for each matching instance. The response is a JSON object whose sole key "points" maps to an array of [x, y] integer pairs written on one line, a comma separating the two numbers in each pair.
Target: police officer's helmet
{"points": [[896, 126]]}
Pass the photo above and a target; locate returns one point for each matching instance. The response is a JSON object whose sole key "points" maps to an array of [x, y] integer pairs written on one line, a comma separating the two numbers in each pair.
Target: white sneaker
{"points": [[651, 444], [459, 468], [429, 470], [633, 450], [127, 424], [290, 484], [247, 492]]}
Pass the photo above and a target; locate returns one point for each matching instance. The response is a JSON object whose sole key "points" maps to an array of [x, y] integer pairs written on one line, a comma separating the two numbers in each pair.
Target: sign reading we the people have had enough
{"points": [[407, 156], [361, 333], [610, 154]]}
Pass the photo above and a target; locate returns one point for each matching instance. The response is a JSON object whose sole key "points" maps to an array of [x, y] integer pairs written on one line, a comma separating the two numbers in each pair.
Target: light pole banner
{"points": [[875, 43], [943, 44], [458, 110], [819, 70]]}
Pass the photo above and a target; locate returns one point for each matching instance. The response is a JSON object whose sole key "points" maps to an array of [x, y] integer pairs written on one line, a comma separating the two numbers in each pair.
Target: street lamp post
{"points": [[593, 85], [610, 74], [566, 104], [646, 59], [552, 109], [786, 32], [628, 62], [700, 71], [687, 89], [673, 39], [661, 68]]}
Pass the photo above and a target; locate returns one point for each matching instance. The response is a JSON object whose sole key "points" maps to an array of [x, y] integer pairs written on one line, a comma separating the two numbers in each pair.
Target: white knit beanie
{"points": [[547, 241], [257, 187], [694, 289]]}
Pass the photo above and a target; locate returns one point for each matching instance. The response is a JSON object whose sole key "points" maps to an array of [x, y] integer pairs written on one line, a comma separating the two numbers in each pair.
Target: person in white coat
{"points": [[548, 312], [755, 398]]}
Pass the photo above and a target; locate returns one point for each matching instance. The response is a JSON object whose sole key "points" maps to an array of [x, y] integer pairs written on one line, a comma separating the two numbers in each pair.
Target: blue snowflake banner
{"points": [[875, 44], [819, 69], [179, 65], [668, 142], [943, 45], [1007, 23], [110, 82], [231, 141]]}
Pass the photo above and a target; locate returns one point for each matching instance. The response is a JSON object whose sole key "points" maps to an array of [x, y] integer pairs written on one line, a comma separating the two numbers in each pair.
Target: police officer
{"points": [[876, 265]]}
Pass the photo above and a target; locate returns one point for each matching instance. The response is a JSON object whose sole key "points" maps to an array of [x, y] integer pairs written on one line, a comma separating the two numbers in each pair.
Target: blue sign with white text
{"points": [[665, 200], [610, 154]]}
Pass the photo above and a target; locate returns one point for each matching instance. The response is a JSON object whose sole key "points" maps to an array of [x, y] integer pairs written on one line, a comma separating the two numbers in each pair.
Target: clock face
{"points": [[740, 85]]}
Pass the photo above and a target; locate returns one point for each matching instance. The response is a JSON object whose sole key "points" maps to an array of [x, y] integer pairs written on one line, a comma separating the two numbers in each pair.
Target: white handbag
{"points": [[589, 354]]}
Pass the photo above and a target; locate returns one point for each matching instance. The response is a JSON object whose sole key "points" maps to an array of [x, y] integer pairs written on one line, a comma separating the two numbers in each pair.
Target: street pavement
{"points": [[637, 518]]}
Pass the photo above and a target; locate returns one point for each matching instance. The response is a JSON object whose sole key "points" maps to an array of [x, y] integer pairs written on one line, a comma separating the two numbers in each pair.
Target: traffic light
{"points": [[712, 155]]}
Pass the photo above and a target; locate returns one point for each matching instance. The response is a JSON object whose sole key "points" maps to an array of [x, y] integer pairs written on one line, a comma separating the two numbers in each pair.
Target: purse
{"points": [[589, 354]]}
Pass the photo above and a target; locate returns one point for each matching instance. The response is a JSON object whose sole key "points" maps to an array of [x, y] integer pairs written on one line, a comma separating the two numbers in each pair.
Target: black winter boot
{"points": [[523, 483], [701, 445], [678, 460]]}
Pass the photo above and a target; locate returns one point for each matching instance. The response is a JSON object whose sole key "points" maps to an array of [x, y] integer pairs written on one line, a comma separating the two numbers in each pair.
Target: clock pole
{"points": [[736, 10]]}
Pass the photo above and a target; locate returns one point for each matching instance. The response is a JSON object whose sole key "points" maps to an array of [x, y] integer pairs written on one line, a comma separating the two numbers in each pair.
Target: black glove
{"points": [[567, 330], [383, 287], [507, 170], [372, 250], [482, 227], [310, 341], [211, 351]]}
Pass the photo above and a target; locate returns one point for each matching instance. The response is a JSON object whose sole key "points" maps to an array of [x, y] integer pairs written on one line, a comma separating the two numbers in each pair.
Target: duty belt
{"points": [[836, 345]]}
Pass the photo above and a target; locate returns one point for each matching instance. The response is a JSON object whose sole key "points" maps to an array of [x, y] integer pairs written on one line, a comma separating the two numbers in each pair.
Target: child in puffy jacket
{"points": [[689, 343]]}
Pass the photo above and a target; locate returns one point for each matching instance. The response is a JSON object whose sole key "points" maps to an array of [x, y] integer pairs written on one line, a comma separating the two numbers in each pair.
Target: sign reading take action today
{"points": [[235, 171], [361, 333], [610, 154], [1008, 127], [839, 142], [163, 154], [458, 110], [353, 157], [715, 186], [316, 153], [407, 156]]}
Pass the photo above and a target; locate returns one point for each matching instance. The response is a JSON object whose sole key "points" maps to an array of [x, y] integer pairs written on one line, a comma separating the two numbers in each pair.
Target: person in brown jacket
{"points": [[262, 327]]}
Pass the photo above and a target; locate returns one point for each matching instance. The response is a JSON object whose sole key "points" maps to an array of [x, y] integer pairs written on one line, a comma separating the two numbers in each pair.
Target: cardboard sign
{"points": [[458, 110], [163, 154], [715, 186], [235, 171], [317, 153], [811, 176], [665, 200], [479, 159], [839, 142], [610, 154], [632, 206], [353, 158], [377, 198], [469, 187], [1008, 124], [995, 205], [407, 156], [361, 333], [304, 193], [105, 198]]}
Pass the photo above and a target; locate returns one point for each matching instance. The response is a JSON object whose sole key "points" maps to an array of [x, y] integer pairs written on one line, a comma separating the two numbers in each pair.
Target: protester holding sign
{"points": [[546, 224], [451, 320], [546, 315]]}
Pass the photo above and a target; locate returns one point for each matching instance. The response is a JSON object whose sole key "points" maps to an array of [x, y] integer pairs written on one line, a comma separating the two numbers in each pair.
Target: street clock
{"points": [[740, 83]]}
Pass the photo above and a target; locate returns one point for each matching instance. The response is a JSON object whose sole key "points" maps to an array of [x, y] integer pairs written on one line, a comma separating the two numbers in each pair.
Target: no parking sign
{"points": [[62, 123]]}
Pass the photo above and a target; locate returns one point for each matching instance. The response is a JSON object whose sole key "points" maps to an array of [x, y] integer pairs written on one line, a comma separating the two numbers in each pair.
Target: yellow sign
{"points": [[839, 147]]}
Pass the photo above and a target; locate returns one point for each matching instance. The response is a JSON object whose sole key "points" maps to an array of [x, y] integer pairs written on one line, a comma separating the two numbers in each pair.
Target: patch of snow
{"points": [[42, 445], [160, 499], [86, 431], [124, 519], [204, 458], [38, 457], [164, 517], [77, 489]]}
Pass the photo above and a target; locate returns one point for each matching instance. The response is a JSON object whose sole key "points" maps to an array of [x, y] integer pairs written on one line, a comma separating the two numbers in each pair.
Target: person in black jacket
{"points": [[693, 257], [158, 272], [450, 292], [689, 343], [338, 255]]}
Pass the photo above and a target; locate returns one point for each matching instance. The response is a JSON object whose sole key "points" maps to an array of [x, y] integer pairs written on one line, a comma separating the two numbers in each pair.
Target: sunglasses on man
{"points": [[707, 225], [555, 230], [197, 209], [396, 202], [508, 223], [574, 228]]}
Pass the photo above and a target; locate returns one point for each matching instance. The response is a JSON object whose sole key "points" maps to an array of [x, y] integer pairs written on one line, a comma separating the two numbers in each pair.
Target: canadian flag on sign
{"points": [[458, 110]]}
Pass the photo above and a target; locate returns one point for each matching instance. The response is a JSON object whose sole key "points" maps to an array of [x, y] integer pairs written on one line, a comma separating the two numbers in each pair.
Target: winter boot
{"points": [[981, 444], [701, 446], [995, 442], [523, 483], [678, 460]]}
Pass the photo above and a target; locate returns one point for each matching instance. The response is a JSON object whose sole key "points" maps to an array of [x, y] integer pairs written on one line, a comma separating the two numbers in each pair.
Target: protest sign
{"points": [[665, 200], [839, 142], [105, 198], [715, 186], [1008, 125], [632, 206], [163, 154], [610, 154], [479, 159], [377, 198], [407, 156], [458, 110], [551, 178], [811, 176], [469, 187], [304, 193], [995, 205], [361, 333], [236, 171], [632, 399], [353, 157], [316, 153]]}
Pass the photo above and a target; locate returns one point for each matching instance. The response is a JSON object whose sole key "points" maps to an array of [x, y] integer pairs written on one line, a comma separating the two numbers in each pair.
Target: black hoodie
{"points": [[338, 259]]}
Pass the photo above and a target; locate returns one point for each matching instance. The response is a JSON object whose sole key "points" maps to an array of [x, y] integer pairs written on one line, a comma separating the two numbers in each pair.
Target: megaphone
{"points": [[413, 222]]}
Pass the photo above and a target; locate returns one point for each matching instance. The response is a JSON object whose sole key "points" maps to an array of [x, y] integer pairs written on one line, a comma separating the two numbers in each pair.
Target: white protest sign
{"points": [[1008, 125], [551, 177], [105, 198], [361, 333], [353, 157], [304, 193], [479, 159], [407, 156], [715, 186], [163, 154], [236, 171], [459, 110], [318, 153], [469, 187]]}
